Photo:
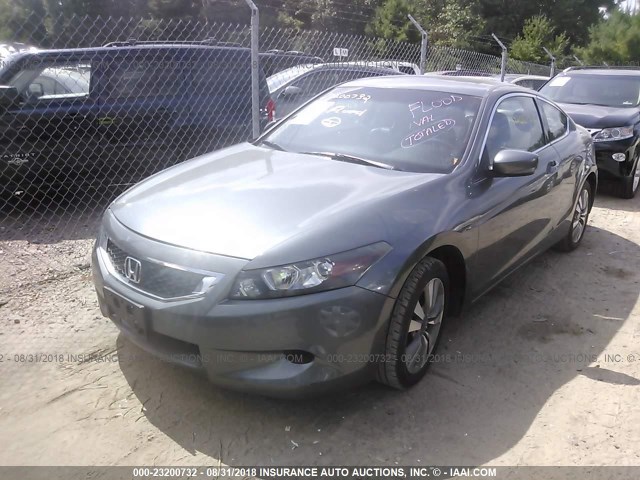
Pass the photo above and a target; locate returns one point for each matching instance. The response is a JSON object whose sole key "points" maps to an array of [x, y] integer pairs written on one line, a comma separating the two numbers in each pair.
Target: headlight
{"points": [[611, 134], [322, 273]]}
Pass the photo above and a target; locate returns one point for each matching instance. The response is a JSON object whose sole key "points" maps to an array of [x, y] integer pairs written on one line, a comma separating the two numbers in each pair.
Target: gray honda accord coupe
{"points": [[332, 250]]}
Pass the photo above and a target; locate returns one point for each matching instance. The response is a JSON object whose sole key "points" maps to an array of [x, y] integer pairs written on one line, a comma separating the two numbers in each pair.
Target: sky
{"points": [[630, 4]]}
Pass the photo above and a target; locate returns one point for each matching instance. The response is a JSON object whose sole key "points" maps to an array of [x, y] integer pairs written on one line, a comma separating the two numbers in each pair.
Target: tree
{"points": [[391, 22], [538, 32], [506, 18], [167, 9], [454, 25], [23, 21], [615, 40]]}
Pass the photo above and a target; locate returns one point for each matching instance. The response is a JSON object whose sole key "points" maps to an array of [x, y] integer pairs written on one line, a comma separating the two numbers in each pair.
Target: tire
{"points": [[628, 186], [406, 356], [579, 220]]}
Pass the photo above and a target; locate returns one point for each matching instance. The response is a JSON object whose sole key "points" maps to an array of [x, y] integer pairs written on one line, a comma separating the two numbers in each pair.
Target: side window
{"points": [[407, 70], [143, 78], [43, 81], [556, 120], [43, 85], [537, 84], [515, 125], [526, 83]]}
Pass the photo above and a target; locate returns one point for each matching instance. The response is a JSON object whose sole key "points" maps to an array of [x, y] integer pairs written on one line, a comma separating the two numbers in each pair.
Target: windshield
{"points": [[411, 130], [277, 80], [605, 90]]}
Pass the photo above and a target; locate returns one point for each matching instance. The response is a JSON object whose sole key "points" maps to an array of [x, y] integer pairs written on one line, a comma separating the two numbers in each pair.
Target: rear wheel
{"points": [[578, 221], [415, 326]]}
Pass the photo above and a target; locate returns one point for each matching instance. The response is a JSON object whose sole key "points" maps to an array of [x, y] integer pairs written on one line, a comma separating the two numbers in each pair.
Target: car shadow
{"points": [[497, 366]]}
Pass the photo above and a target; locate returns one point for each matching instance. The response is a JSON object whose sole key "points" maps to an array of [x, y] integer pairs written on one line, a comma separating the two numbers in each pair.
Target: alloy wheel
{"points": [[424, 327], [580, 216]]}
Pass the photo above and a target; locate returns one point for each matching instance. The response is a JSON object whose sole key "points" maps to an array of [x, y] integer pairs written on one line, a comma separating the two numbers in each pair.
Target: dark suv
{"points": [[113, 115], [607, 103]]}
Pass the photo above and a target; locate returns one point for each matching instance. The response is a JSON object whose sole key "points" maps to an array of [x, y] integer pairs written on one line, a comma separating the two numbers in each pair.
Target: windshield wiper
{"points": [[343, 157], [273, 145]]}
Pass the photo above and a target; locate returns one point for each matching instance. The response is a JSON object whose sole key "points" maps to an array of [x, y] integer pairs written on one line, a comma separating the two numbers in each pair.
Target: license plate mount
{"points": [[125, 313]]}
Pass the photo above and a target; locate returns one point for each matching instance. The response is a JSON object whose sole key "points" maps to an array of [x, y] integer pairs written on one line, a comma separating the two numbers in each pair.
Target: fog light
{"points": [[619, 157]]}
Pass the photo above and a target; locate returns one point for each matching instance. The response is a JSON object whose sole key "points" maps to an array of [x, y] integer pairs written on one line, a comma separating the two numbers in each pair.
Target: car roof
{"points": [[377, 63], [632, 72], [135, 48], [475, 86], [346, 65], [518, 76]]}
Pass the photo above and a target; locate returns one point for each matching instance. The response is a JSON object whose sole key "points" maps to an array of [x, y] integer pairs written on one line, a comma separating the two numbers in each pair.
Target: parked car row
{"points": [[112, 115], [333, 247]]}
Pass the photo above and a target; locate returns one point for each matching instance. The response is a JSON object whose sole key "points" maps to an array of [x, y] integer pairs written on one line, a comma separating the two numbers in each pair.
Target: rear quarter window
{"points": [[557, 122], [202, 73]]}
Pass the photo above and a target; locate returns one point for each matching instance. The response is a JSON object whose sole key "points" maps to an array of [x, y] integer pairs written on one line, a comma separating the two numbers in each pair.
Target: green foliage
{"points": [[24, 21], [174, 8], [615, 40], [506, 18], [455, 25], [464, 24], [391, 22], [451, 24], [539, 32]]}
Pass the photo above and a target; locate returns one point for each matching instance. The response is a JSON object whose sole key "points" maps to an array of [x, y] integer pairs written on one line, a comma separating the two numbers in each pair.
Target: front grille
{"points": [[157, 279]]}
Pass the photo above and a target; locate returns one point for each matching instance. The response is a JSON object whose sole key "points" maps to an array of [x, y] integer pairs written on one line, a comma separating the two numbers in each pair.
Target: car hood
{"points": [[244, 200], [597, 116]]}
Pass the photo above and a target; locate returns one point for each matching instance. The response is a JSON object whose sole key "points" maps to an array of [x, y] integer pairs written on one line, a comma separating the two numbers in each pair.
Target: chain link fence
{"points": [[101, 103]]}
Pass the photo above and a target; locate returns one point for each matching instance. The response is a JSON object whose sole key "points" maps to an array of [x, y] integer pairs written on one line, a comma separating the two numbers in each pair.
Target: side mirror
{"points": [[9, 97], [514, 163], [36, 90], [291, 91]]}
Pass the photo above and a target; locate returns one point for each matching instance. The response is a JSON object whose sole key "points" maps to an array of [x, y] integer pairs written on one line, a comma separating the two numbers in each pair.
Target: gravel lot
{"points": [[542, 371]]}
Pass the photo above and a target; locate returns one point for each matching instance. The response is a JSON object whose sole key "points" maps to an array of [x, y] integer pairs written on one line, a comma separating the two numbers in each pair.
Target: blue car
{"points": [[113, 115]]}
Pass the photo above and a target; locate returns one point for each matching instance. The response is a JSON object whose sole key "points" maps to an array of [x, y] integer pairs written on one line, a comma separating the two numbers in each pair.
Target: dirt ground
{"points": [[544, 370]]}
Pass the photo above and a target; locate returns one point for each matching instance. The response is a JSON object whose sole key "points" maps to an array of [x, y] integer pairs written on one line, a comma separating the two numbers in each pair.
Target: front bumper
{"points": [[287, 347], [610, 168]]}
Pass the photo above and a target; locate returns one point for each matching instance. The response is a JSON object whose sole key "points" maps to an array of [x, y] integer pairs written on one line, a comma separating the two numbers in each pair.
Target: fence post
{"points": [[423, 43], [553, 62], [505, 53], [255, 69]]}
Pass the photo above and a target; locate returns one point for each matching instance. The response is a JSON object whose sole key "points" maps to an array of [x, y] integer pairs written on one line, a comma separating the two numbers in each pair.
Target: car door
{"points": [[142, 96], [519, 213], [49, 136], [568, 148]]}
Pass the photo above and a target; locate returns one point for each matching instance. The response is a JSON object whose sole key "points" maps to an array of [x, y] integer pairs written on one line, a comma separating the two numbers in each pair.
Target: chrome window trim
{"points": [[106, 260]]}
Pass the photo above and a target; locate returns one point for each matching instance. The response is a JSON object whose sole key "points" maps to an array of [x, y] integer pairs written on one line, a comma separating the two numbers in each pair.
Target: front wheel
{"points": [[415, 325], [627, 187], [578, 221]]}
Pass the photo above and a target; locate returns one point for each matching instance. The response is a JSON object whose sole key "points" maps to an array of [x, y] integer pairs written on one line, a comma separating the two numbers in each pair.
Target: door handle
{"points": [[552, 166]]}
